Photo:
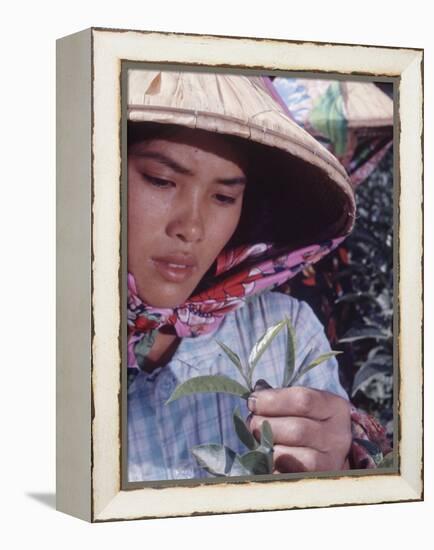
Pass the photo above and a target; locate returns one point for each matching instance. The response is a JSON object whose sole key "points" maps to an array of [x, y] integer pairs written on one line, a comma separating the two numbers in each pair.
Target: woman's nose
{"points": [[187, 224]]}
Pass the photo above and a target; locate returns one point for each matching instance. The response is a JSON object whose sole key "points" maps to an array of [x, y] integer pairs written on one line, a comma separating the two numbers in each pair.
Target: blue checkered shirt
{"points": [[160, 436]]}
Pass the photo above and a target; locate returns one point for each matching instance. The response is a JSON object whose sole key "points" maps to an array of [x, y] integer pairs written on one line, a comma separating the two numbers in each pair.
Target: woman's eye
{"points": [[158, 182], [225, 199]]}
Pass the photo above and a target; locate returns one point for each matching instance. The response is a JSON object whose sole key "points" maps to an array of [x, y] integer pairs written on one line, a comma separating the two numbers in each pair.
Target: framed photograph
{"points": [[239, 274]]}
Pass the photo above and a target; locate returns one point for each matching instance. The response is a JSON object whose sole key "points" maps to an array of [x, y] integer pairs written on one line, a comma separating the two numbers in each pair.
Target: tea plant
{"points": [[367, 335], [220, 460]]}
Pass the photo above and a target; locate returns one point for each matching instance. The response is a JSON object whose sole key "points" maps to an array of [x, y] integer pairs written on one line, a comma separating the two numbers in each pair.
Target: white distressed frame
{"points": [[88, 463]]}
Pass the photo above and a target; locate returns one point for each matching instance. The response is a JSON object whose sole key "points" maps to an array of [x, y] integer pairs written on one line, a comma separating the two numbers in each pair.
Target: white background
{"points": [[27, 222]]}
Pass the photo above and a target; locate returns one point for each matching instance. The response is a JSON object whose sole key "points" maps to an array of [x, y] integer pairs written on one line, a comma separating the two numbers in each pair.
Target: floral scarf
{"points": [[203, 313]]}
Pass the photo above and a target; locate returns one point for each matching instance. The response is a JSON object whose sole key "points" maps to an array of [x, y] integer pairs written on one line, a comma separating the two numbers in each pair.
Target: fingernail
{"points": [[251, 403]]}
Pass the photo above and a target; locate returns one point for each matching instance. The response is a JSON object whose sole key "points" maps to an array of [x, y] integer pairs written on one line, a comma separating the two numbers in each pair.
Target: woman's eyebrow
{"points": [[167, 161], [241, 180], [176, 167]]}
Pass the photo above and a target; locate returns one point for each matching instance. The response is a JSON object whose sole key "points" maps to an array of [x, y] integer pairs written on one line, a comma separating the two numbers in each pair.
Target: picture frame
{"points": [[90, 295]]}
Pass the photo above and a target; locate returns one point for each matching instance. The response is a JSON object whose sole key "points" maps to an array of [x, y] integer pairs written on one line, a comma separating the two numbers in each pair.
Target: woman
{"points": [[227, 199]]}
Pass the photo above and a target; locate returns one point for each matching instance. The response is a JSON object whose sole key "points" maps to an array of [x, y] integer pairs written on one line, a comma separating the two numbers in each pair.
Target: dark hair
{"points": [[141, 131]]}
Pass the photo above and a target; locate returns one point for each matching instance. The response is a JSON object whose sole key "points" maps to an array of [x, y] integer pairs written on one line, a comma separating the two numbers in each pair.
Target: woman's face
{"points": [[185, 196]]}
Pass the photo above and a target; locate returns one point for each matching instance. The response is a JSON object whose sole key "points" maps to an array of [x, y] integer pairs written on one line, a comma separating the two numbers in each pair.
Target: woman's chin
{"points": [[165, 300]]}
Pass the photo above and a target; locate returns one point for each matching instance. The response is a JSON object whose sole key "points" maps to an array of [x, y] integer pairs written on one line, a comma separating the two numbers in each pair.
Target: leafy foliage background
{"points": [[352, 294]]}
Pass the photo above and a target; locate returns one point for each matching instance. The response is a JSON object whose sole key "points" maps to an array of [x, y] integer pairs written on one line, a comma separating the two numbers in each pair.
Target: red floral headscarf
{"points": [[203, 312]]}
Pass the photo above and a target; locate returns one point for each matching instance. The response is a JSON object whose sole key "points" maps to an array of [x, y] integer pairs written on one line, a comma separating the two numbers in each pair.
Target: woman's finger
{"points": [[292, 431], [304, 459], [297, 401]]}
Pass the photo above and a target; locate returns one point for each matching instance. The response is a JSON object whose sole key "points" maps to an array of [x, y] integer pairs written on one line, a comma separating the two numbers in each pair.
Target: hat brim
{"points": [[310, 195]]}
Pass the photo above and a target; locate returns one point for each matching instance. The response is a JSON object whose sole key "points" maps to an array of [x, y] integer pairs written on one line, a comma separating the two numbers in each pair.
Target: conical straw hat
{"points": [[243, 106]]}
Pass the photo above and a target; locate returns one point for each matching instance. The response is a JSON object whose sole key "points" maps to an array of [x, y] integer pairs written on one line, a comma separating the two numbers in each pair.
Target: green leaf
{"points": [[320, 359], [261, 345], [356, 297], [364, 333], [373, 352], [257, 462], [290, 354], [219, 460], [234, 358], [369, 371], [381, 357], [243, 431], [266, 435], [209, 383]]}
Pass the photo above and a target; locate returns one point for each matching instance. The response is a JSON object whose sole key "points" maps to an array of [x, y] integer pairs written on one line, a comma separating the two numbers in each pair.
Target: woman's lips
{"points": [[174, 270]]}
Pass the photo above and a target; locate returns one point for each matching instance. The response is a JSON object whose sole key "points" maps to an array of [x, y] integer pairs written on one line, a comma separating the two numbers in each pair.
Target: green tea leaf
{"points": [[372, 370], [219, 460], [364, 333], [320, 359], [209, 383], [257, 462], [261, 345], [290, 354], [234, 358], [266, 435], [355, 297], [243, 431]]}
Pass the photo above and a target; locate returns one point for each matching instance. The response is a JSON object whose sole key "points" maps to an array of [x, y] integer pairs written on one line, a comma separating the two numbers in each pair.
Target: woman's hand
{"points": [[311, 428]]}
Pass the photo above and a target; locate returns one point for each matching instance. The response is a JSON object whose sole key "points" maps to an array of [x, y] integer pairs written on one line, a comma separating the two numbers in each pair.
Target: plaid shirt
{"points": [[160, 436]]}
